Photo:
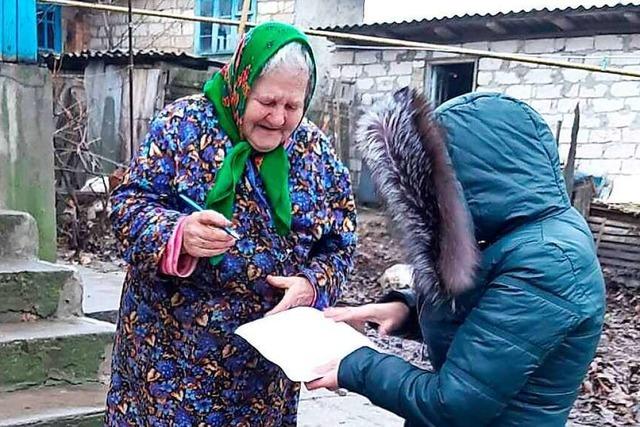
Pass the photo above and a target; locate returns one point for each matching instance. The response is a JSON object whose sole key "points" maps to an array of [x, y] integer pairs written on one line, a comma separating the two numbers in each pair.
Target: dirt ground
{"points": [[611, 392]]}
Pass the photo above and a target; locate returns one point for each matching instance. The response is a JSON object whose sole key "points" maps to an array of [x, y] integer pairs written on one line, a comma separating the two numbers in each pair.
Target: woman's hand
{"points": [[389, 316], [329, 378], [203, 237], [298, 292]]}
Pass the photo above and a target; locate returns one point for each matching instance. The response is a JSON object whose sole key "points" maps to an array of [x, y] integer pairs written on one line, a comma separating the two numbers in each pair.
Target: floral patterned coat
{"points": [[176, 360]]}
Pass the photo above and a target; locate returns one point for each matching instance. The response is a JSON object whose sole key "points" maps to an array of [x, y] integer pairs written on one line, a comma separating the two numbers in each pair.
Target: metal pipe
{"points": [[369, 39], [131, 124], [478, 53]]}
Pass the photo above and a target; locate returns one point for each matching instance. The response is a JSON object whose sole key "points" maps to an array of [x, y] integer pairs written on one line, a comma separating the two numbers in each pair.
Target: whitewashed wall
{"points": [[609, 137], [165, 34]]}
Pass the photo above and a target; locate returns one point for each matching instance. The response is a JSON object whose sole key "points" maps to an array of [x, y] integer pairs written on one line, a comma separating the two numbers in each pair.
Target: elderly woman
{"points": [[269, 178]]}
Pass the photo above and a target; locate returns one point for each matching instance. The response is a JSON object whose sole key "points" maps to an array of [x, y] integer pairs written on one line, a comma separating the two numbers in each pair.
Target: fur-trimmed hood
{"points": [[497, 149], [404, 149]]}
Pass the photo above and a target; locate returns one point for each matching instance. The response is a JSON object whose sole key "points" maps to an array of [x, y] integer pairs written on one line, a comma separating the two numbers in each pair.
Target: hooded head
{"points": [[491, 151], [506, 159]]}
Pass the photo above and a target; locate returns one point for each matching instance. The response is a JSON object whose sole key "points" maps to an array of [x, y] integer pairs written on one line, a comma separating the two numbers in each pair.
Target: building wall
{"points": [[276, 10], [609, 136], [26, 148], [375, 73], [109, 30], [317, 14]]}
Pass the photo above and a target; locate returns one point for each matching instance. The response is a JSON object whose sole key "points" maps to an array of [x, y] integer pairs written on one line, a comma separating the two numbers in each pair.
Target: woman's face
{"points": [[274, 108]]}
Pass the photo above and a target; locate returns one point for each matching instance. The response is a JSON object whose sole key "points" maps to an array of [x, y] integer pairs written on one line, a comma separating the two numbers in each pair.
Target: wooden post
{"points": [[582, 195], [601, 232], [558, 128], [569, 168], [244, 17]]}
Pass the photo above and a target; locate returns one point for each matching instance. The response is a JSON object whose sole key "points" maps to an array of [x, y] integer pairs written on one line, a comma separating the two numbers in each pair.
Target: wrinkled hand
{"points": [[388, 316], [202, 236], [298, 292], [329, 379]]}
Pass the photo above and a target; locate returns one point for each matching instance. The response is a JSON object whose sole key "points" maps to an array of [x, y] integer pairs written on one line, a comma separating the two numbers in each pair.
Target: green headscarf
{"points": [[228, 90]]}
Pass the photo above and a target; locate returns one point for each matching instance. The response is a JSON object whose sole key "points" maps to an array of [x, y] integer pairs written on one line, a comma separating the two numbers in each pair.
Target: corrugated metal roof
{"points": [[74, 60], [534, 23], [508, 14]]}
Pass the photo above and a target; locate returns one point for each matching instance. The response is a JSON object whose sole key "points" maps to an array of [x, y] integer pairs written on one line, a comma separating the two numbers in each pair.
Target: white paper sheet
{"points": [[301, 340]]}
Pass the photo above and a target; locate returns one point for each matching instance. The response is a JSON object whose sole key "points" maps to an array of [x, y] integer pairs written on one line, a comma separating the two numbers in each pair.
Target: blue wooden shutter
{"points": [[18, 35]]}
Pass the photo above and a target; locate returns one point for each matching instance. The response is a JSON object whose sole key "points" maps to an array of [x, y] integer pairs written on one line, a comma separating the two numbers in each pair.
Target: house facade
{"points": [[72, 29], [609, 134], [91, 45], [79, 29]]}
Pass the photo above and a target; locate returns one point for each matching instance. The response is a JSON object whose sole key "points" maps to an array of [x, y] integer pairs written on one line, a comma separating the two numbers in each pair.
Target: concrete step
{"points": [[33, 290], [101, 291], [59, 406], [47, 352], [18, 234]]}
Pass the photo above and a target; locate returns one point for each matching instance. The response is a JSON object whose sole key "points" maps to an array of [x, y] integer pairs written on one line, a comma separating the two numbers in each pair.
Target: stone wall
{"points": [[318, 14], [376, 73], [26, 148], [109, 30], [609, 137]]}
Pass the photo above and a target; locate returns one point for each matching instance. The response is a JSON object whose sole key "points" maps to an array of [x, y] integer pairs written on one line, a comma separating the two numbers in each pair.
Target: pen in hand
{"points": [[230, 231]]}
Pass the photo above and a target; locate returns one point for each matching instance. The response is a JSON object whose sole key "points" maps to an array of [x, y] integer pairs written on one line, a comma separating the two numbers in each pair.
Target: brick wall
{"points": [[609, 137], [376, 73], [271, 10], [109, 30]]}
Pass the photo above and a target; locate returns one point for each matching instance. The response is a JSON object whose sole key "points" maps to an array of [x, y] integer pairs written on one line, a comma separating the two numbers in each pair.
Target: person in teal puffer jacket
{"points": [[510, 333]]}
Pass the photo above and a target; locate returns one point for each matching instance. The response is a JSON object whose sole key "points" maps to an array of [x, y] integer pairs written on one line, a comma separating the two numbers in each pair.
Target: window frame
{"points": [[430, 73], [42, 11], [231, 38]]}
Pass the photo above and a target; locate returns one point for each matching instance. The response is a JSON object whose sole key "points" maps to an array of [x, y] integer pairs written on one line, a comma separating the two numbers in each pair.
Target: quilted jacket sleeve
{"points": [[515, 325], [141, 213], [410, 329]]}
